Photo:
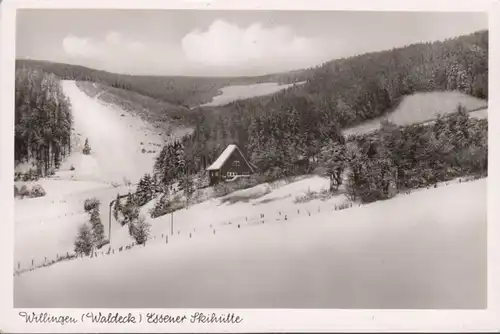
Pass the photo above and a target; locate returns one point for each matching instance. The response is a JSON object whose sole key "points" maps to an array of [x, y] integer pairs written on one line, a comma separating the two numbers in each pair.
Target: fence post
{"points": [[32, 262], [166, 239], [172, 223]]}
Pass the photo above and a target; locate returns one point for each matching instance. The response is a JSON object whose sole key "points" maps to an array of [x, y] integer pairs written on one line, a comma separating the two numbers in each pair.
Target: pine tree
{"points": [[98, 237], [145, 191], [117, 207], [86, 148], [461, 119], [180, 160], [130, 210], [187, 187], [141, 192], [333, 159]]}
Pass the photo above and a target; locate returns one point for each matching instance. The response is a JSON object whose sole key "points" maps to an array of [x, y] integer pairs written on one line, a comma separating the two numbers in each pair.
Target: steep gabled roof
{"points": [[225, 155]]}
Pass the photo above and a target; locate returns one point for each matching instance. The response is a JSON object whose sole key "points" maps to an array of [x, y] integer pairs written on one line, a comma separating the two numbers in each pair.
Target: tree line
{"points": [[179, 90], [43, 120], [382, 163]]}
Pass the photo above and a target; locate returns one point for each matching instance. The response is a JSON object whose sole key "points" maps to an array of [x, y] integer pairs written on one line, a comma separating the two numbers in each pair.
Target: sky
{"points": [[223, 43]]}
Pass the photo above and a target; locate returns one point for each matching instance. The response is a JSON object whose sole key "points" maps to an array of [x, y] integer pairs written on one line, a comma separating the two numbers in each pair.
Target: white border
{"points": [[258, 320]]}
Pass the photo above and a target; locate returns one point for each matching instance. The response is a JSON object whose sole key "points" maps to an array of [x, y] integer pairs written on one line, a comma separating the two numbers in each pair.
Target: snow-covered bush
{"points": [[140, 230], [37, 191], [84, 240], [90, 204], [24, 191], [224, 188], [162, 207]]}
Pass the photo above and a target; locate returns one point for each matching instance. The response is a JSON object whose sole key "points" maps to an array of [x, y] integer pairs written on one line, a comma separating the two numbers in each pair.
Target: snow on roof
{"points": [[222, 158], [225, 155]]}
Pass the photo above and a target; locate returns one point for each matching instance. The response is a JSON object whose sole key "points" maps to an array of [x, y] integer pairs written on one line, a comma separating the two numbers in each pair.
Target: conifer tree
{"points": [[117, 208], [333, 159], [86, 147], [98, 236]]}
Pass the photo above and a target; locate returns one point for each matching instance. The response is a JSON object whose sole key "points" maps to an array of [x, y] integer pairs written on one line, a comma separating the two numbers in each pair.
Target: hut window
{"points": [[236, 163]]}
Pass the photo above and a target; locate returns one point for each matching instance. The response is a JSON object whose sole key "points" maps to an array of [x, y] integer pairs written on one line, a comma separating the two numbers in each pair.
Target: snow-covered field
{"points": [[232, 93], [423, 107], [407, 252]]}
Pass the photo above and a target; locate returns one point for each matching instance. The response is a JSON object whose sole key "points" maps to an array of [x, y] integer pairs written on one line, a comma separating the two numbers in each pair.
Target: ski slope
{"points": [[423, 250], [115, 139]]}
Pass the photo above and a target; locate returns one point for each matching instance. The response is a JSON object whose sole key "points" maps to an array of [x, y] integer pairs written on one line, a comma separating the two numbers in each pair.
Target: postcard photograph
{"points": [[250, 159]]}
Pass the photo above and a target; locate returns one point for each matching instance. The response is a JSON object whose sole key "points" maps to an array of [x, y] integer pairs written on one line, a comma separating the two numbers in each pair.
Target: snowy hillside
{"points": [[46, 226], [115, 139], [422, 255]]}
